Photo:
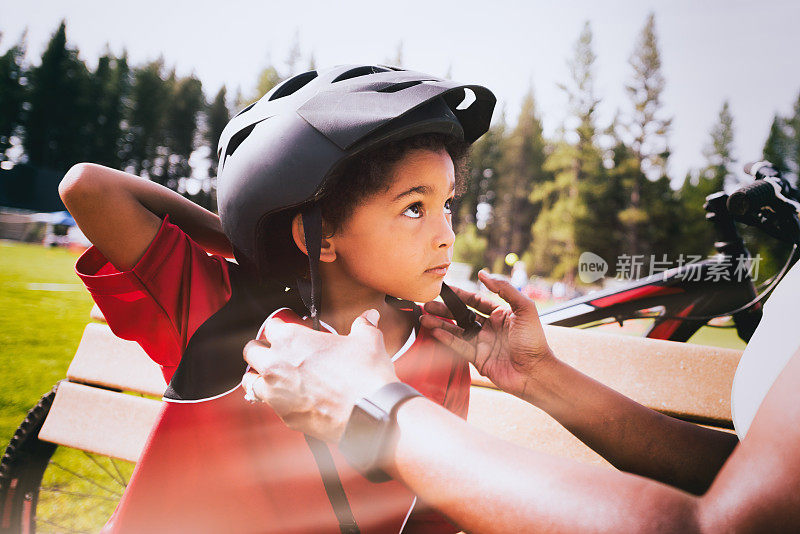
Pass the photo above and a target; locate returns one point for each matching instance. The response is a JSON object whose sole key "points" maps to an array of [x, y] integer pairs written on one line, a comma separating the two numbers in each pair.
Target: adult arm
{"points": [[487, 485], [630, 436], [120, 213], [484, 484]]}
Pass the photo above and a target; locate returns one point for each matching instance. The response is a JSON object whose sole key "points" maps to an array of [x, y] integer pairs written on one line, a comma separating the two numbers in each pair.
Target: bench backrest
{"points": [[90, 412], [692, 382]]}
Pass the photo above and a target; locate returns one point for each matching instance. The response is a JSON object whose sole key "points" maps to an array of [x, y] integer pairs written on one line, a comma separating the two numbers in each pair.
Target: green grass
{"points": [[44, 311], [39, 329]]}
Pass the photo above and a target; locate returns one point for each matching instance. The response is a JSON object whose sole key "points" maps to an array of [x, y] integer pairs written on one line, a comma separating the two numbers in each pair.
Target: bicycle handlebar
{"points": [[770, 203], [751, 198], [760, 169]]}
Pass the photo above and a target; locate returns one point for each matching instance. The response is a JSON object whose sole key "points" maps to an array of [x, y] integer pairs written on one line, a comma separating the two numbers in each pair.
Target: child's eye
{"points": [[414, 210], [447, 206]]}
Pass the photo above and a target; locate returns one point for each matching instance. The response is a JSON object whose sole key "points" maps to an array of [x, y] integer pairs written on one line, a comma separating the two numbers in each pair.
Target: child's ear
{"points": [[327, 252]]}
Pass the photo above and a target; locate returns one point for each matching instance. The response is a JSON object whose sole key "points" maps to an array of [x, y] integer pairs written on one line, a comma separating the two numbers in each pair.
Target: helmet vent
{"points": [[237, 139], [247, 108], [292, 85], [399, 86], [359, 71], [469, 99]]}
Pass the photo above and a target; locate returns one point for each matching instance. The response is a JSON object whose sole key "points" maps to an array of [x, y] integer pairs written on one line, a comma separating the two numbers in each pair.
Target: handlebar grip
{"points": [[751, 198]]}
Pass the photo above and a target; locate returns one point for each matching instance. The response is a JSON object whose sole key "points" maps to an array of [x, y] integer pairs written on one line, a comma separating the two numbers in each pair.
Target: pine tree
{"points": [[57, 128], [12, 93], [520, 170], [150, 99], [647, 130], [218, 116], [719, 153], [610, 200], [775, 147], [180, 127], [553, 248], [793, 144], [564, 222], [782, 149], [484, 165], [268, 78], [110, 84], [697, 234]]}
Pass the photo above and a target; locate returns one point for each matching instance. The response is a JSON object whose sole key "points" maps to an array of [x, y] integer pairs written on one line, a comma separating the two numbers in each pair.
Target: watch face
{"points": [[366, 432]]}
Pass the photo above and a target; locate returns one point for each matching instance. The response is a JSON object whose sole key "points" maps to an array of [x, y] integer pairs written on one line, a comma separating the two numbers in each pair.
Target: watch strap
{"points": [[387, 400], [391, 396]]}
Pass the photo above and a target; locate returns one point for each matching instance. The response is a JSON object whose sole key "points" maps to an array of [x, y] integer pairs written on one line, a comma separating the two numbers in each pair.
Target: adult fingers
{"points": [[475, 301], [259, 390], [431, 322], [248, 384], [435, 307], [366, 324], [365, 329], [371, 316], [460, 346], [258, 356], [520, 304], [276, 330]]}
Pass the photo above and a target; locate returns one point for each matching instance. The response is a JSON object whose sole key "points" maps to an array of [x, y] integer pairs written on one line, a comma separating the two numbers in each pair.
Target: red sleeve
{"points": [[164, 298]]}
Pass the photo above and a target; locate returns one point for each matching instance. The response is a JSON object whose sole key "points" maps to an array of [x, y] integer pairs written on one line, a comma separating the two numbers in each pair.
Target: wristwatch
{"points": [[371, 429]]}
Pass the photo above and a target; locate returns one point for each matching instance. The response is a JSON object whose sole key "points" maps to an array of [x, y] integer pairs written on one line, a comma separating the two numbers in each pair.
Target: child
{"points": [[334, 194]]}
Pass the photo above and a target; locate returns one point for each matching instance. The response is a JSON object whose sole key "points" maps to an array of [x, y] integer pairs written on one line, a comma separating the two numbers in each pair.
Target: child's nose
{"points": [[445, 237]]}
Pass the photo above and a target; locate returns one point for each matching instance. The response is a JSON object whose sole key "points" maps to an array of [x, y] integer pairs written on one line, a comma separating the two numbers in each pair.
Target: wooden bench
{"points": [[690, 382], [94, 409]]}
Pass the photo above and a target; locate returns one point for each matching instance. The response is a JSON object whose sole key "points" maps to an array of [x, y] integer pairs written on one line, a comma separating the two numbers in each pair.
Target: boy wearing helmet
{"points": [[334, 192]]}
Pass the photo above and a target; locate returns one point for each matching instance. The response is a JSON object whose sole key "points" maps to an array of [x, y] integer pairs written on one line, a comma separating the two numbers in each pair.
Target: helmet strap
{"points": [[310, 292], [465, 318]]}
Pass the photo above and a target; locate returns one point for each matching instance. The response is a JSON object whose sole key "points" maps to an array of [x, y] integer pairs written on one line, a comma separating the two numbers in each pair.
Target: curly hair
{"points": [[370, 173], [350, 184]]}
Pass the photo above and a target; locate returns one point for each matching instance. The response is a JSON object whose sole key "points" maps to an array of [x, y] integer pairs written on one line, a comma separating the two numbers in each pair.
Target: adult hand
{"points": [[511, 343], [313, 379]]}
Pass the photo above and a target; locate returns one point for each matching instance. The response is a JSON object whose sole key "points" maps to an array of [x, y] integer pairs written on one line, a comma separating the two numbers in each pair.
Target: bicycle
{"points": [[684, 299]]}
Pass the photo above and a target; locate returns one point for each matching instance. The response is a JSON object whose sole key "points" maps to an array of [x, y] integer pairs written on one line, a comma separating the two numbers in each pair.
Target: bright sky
{"points": [[744, 51]]}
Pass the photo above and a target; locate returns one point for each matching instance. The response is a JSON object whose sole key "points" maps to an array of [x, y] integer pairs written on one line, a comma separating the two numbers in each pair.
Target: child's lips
{"points": [[439, 270]]}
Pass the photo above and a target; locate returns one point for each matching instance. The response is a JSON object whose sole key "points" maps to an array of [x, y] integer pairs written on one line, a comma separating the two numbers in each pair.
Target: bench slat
{"points": [[514, 420], [688, 381], [104, 359], [100, 421]]}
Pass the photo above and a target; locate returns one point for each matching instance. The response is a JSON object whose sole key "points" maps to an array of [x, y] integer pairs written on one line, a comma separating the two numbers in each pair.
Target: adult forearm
{"points": [[630, 436], [488, 485]]}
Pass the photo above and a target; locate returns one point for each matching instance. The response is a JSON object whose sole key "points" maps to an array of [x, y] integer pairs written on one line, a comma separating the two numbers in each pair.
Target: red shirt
{"points": [[221, 464]]}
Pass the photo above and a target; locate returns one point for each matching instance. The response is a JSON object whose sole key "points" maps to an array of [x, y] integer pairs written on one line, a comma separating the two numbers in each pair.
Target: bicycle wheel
{"points": [[48, 488]]}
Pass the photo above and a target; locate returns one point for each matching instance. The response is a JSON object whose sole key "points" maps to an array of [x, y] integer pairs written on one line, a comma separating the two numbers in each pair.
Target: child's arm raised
{"points": [[121, 213]]}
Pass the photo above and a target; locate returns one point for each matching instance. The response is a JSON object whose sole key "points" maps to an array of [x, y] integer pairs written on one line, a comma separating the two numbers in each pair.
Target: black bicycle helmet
{"points": [[277, 153]]}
